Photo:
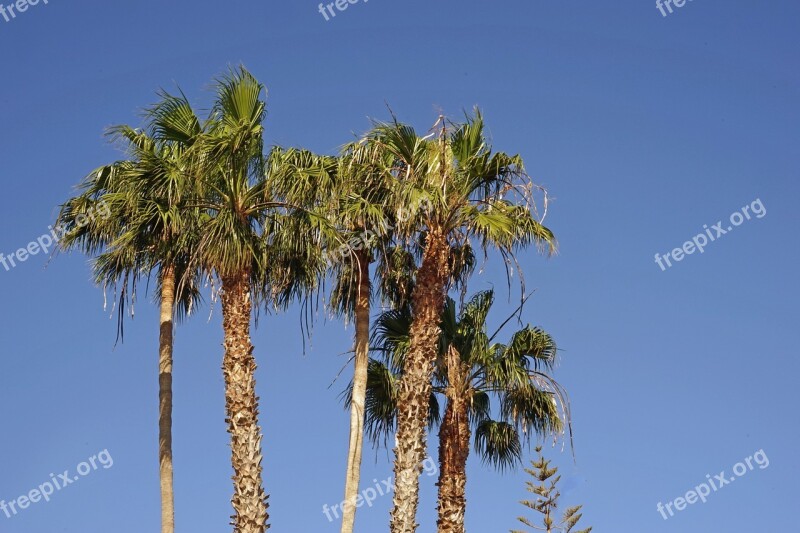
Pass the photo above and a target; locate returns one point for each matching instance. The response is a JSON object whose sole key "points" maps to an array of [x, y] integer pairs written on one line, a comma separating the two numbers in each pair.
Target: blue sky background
{"points": [[642, 127]]}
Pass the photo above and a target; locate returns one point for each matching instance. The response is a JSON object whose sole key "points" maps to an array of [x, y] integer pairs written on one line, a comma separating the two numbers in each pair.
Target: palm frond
{"points": [[498, 444]]}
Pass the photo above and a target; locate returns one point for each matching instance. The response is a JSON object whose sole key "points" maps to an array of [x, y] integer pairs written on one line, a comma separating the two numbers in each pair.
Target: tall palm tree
{"points": [[472, 195], [470, 371], [350, 191], [262, 250], [146, 230], [231, 247], [366, 210]]}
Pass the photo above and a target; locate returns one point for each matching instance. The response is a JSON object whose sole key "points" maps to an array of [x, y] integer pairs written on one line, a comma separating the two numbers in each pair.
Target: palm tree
{"points": [[472, 195], [262, 250], [362, 220], [146, 231], [470, 371], [350, 192], [232, 248]]}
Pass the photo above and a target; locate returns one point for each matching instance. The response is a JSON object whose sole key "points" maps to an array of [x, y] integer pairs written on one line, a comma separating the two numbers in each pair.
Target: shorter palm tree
{"points": [[470, 371]]}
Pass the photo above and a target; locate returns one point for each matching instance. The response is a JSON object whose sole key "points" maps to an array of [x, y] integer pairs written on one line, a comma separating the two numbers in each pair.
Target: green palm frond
{"points": [[533, 348], [395, 275], [391, 333], [507, 227], [381, 402], [531, 410], [498, 444], [461, 264], [480, 410], [173, 120], [301, 177]]}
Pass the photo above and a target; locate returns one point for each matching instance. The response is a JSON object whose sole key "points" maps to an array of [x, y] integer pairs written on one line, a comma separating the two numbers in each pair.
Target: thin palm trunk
{"points": [[454, 435], [414, 388], [362, 308], [165, 399], [239, 367]]}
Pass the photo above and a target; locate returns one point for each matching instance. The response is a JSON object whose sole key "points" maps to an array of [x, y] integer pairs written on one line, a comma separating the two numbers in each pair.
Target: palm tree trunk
{"points": [[239, 367], [415, 386], [165, 399], [362, 307], [454, 435]]}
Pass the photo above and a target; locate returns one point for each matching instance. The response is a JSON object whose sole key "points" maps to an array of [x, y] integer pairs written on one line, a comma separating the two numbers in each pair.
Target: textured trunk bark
{"points": [[362, 308], [165, 399], [239, 367], [415, 385], [454, 435]]}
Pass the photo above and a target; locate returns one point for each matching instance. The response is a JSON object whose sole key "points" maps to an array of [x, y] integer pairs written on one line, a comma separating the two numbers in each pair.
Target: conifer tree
{"points": [[546, 502]]}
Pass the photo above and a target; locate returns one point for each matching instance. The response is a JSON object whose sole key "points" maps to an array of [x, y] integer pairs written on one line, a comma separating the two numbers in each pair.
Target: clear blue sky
{"points": [[643, 127]]}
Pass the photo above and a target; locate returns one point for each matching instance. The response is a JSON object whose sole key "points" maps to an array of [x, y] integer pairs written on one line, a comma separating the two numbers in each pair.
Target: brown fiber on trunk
{"points": [[353, 477], [239, 367], [165, 400], [454, 435], [414, 388]]}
